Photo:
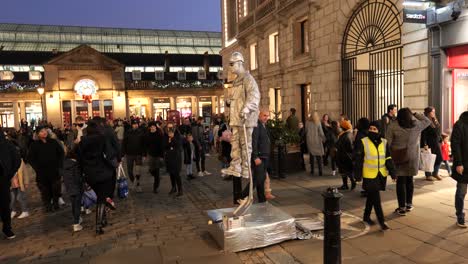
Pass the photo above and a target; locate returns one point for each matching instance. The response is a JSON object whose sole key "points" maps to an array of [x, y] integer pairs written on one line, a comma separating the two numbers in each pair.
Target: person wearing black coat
{"points": [[344, 155], [97, 171], [431, 137], [173, 162], [154, 150], [373, 186], [459, 144], [303, 144], [197, 133], [46, 158], [10, 161], [133, 149]]}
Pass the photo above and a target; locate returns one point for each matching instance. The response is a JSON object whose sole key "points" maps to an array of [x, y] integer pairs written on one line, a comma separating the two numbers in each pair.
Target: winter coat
{"points": [[244, 94], [72, 177], [154, 144], [445, 149], [93, 164], [46, 158], [10, 160], [409, 138], [459, 140], [315, 138], [120, 131], [431, 137], [292, 123], [188, 159], [344, 152], [379, 183], [173, 156], [197, 133], [385, 123], [133, 143]]}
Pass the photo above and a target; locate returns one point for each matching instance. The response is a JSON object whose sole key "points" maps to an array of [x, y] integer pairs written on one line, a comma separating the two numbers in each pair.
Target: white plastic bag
{"points": [[121, 172], [427, 160]]}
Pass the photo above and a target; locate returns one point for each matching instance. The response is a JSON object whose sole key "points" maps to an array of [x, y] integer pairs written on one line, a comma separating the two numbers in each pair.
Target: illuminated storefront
{"points": [[205, 108], [7, 117], [160, 107], [184, 106]]}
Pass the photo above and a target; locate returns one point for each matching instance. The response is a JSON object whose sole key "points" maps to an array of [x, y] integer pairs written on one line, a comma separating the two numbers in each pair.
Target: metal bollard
{"points": [[332, 226], [281, 160], [236, 189]]}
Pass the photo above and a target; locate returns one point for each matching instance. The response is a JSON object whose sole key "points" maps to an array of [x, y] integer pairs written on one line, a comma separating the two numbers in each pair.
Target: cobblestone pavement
{"points": [[158, 228]]}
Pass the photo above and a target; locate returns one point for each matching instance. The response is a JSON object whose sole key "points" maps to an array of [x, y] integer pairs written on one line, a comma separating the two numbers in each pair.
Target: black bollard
{"points": [[281, 160], [332, 226], [236, 189]]}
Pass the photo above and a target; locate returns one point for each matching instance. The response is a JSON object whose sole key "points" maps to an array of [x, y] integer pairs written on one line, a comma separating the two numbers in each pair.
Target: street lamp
{"points": [[40, 90]]}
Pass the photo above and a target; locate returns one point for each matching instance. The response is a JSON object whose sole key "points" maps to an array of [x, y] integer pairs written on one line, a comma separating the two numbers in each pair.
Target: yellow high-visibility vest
{"points": [[374, 159]]}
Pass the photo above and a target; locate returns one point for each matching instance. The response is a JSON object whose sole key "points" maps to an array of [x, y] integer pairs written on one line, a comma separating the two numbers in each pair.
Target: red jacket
{"points": [[445, 151]]}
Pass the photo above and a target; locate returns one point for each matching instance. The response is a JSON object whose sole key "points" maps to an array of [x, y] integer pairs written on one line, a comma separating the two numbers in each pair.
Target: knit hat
{"points": [[346, 125], [152, 123], [375, 124]]}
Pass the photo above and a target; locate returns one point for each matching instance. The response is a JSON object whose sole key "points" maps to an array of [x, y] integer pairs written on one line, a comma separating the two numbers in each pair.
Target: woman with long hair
{"points": [[431, 138], [315, 139], [403, 138]]}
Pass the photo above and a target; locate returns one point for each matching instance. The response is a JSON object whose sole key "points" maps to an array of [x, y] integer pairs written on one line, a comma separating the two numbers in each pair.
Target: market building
{"points": [[111, 72], [346, 56]]}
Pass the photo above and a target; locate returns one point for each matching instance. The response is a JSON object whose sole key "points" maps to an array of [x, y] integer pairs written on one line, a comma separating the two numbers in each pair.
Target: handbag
{"points": [[399, 156], [122, 183]]}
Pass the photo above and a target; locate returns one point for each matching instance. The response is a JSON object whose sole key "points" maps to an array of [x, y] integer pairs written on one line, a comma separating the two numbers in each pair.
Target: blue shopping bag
{"points": [[89, 198], [122, 183]]}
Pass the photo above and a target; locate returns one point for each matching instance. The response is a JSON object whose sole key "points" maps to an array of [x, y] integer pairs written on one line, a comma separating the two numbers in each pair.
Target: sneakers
{"points": [[400, 211], [200, 174], [61, 202], [438, 177], [9, 234], [23, 215], [77, 228], [13, 214], [334, 172], [409, 208], [88, 211], [461, 223], [206, 173], [384, 227], [269, 196], [430, 178]]}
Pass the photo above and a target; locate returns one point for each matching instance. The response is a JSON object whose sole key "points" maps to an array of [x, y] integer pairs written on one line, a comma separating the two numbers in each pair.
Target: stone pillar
{"points": [[120, 104], [16, 115], [23, 110], [54, 113]]}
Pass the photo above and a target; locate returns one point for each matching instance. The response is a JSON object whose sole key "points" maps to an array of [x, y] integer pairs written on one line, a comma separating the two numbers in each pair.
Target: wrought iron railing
{"points": [[162, 85]]}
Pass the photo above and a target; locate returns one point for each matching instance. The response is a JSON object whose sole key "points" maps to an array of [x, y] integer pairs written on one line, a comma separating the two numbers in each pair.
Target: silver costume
{"points": [[243, 101]]}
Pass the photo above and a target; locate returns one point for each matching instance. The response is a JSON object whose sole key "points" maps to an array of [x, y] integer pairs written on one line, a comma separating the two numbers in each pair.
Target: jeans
{"points": [[201, 160], [447, 166], [189, 169], [76, 208], [131, 161], [436, 170], [20, 196], [319, 162], [460, 201], [404, 190]]}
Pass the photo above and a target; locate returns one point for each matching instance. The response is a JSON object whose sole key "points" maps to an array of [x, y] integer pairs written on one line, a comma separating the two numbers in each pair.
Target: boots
{"points": [[99, 219], [345, 183], [353, 184], [173, 190]]}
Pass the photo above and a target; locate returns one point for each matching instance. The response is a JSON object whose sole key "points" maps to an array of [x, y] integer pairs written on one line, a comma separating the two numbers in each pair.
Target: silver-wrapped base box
{"points": [[264, 225]]}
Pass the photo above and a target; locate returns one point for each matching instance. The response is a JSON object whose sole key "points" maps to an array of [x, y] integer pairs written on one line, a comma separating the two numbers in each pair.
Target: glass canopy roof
{"points": [[42, 38]]}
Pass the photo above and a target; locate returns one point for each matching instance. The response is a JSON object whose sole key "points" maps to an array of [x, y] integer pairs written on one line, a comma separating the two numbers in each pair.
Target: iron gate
{"points": [[374, 30]]}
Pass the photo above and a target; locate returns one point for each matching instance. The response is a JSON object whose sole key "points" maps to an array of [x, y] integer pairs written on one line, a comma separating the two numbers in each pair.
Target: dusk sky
{"points": [[202, 15]]}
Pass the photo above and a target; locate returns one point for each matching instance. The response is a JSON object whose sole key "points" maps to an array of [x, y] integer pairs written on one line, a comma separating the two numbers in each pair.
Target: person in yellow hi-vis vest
{"points": [[373, 164]]}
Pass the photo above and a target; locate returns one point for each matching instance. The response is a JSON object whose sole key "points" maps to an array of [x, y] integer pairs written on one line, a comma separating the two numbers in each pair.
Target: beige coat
{"points": [[244, 94], [409, 138]]}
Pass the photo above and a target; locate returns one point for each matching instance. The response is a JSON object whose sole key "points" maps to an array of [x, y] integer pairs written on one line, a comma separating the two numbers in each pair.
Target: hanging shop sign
{"points": [[414, 16], [86, 88]]}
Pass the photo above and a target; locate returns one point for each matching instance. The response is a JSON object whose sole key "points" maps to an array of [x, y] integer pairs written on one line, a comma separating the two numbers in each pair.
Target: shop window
{"points": [[95, 108], [205, 108], [66, 113], [275, 102], [108, 110], [161, 106], [81, 108], [7, 117], [184, 106], [274, 47], [33, 112]]}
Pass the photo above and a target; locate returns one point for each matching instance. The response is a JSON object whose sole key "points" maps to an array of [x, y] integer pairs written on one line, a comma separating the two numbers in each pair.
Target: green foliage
{"points": [[280, 133]]}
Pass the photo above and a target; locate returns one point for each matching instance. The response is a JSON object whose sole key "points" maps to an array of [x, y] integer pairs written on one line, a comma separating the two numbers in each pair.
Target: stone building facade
{"points": [[312, 76]]}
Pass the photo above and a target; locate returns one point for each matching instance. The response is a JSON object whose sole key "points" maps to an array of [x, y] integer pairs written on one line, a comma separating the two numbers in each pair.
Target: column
{"points": [[173, 102], [16, 114], [23, 110]]}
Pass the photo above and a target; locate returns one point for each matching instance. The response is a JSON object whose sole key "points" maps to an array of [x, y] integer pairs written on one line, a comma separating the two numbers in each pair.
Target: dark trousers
{"points": [[373, 201], [154, 164], [176, 181], [460, 201], [201, 161], [405, 189], [50, 190], [319, 162], [102, 189], [259, 176], [76, 208], [5, 209], [436, 170], [133, 160]]}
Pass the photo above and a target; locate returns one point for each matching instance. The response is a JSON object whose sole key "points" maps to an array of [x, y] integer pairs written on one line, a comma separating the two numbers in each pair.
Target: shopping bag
{"points": [[89, 198], [427, 160], [122, 183]]}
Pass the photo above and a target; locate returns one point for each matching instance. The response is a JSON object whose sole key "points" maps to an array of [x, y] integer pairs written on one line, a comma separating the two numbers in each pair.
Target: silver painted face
{"points": [[236, 67]]}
